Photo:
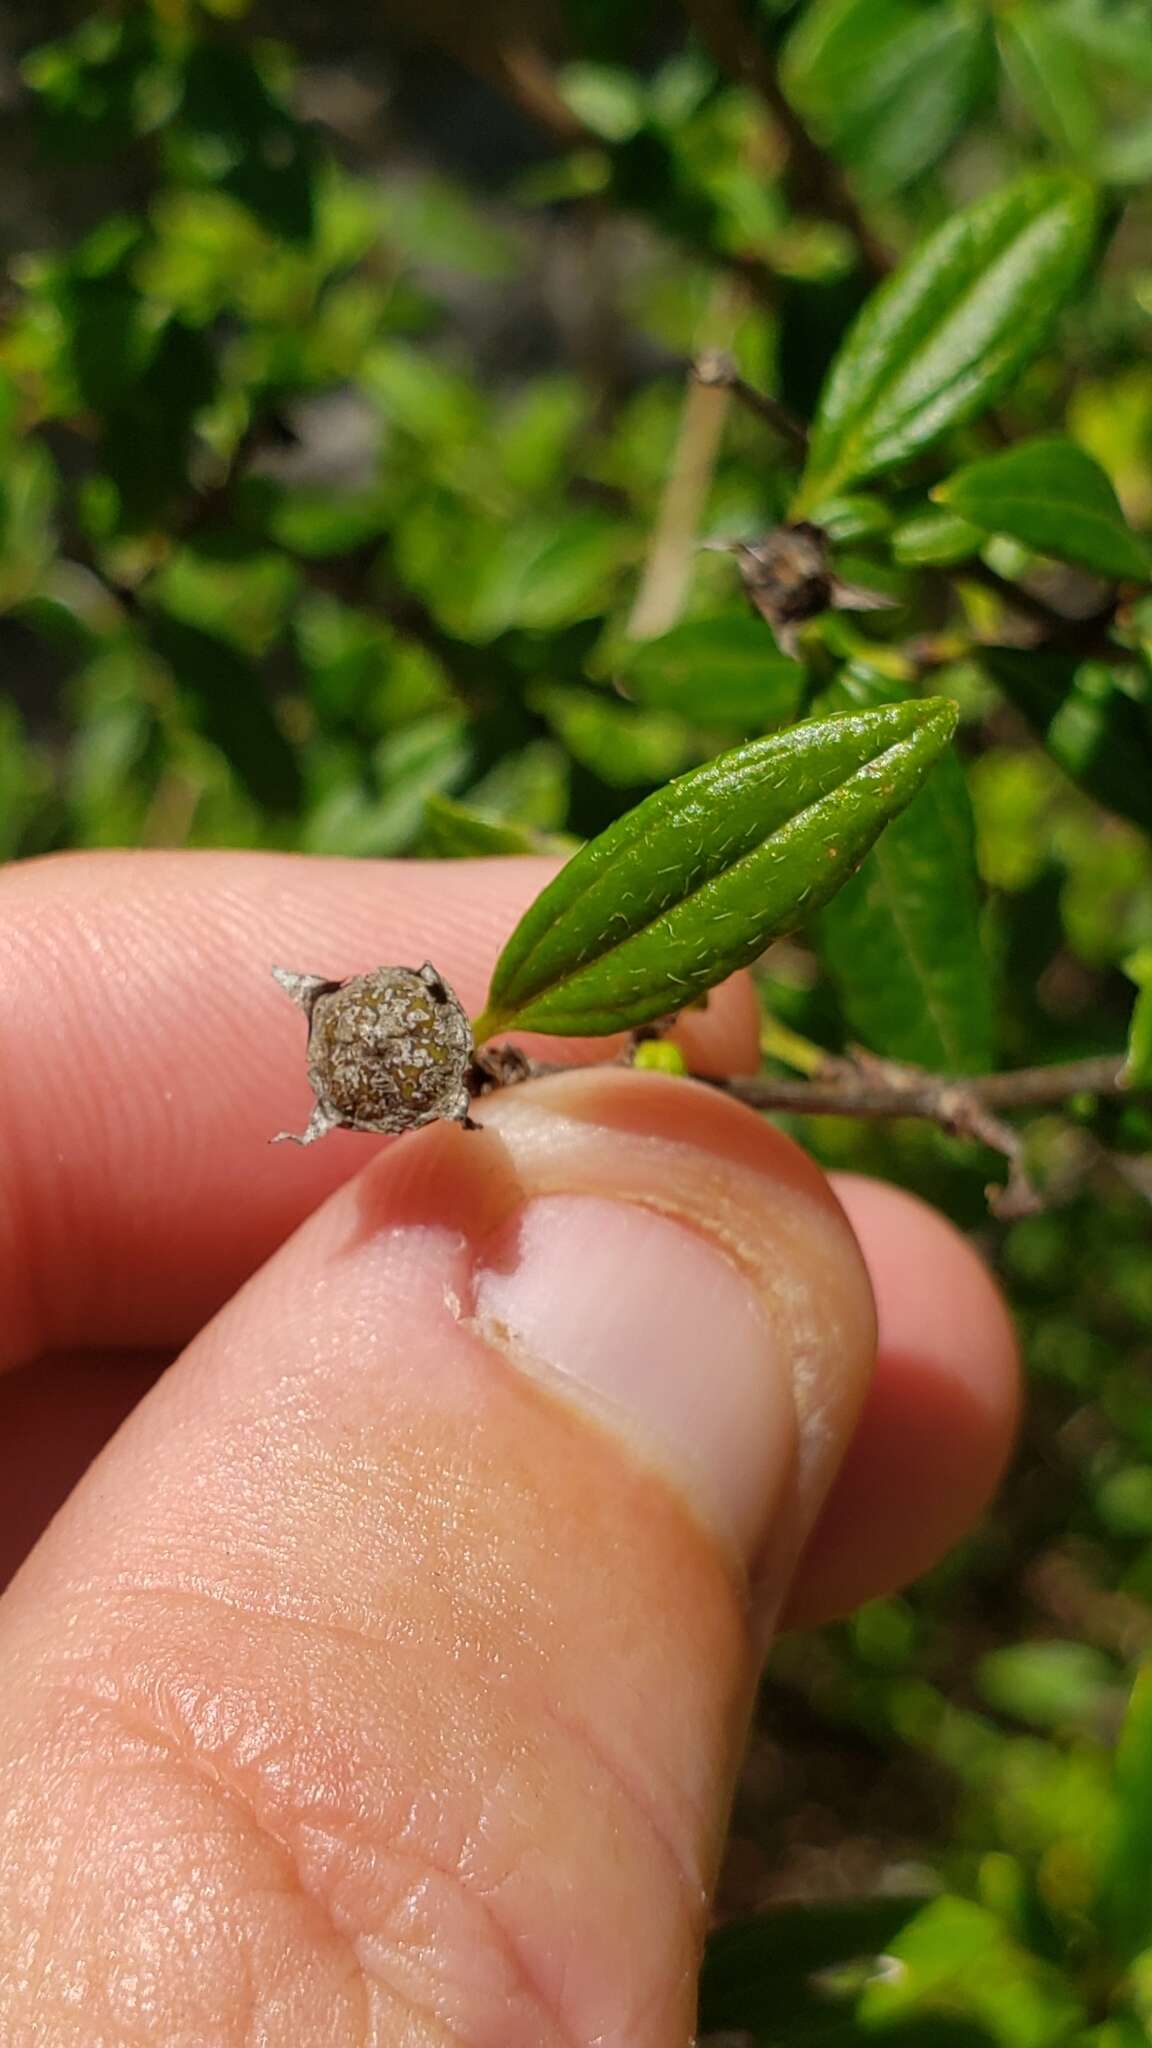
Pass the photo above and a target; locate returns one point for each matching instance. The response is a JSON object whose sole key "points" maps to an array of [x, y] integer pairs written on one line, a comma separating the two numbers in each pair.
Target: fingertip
{"points": [[939, 1421]]}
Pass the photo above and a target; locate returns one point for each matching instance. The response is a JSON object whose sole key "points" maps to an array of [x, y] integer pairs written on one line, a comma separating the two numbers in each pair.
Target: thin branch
{"points": [[963, 1106], [676, 530], [716, 367], [1034, 1087], [868, 1087], [816, 182]]}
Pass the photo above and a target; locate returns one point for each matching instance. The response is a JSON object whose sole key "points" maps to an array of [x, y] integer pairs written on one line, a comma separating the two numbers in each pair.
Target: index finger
{"points": [[148, 1058]]}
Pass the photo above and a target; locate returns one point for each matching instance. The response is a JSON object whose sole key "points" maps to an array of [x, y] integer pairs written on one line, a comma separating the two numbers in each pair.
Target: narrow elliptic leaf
{"points": [[1049, 75], [951, 330], [902, 939], [697, 880], [1054, 498], [887, 84]]}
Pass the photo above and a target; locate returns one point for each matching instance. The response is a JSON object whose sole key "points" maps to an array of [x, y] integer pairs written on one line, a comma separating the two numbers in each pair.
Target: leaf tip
{"points": [[941, 712]]}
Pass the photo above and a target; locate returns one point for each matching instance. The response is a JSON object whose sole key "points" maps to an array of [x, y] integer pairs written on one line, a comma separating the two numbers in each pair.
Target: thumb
{"points": [[385, 1680]]}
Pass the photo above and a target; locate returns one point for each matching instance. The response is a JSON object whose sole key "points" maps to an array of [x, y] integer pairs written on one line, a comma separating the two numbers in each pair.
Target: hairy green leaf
{"points": [[902, 939], [1054, 498], [944, 337], [887, 83], [697, 879]]}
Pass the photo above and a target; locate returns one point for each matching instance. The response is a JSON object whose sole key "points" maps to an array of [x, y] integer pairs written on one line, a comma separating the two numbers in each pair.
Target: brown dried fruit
{"points": [[388, 1051], [789, 579]]}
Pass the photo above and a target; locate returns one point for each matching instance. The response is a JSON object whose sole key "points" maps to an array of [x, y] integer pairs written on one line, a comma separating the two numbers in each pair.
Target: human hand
{"points": [[384, 1680]]}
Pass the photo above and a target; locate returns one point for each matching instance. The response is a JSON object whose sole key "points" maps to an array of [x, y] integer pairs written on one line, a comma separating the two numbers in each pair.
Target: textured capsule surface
{"points": [[387, 1051]]}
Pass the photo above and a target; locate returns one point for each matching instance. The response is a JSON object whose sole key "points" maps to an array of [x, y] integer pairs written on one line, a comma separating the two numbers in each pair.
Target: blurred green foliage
{"points": [[341, 382]]}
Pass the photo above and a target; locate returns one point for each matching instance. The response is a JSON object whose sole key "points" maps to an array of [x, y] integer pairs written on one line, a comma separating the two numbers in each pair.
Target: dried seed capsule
{"points": [[387, 1051]]}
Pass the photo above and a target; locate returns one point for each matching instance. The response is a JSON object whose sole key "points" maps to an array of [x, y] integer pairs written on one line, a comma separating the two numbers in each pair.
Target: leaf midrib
{"points": [[845, 471], [638, 931]]}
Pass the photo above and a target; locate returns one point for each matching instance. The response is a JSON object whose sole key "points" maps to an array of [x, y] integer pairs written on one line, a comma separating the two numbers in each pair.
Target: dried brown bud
{"points": [[789, 579], [387, 1051]]}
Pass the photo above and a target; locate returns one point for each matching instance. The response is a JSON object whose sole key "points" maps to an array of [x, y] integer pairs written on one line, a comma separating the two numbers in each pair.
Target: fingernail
{"points": [[662, 1335], [681, 1270]]}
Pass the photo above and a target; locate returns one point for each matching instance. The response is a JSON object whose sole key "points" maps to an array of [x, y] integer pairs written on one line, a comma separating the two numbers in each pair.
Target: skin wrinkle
{"points": [[513, 1510], [139, 1721], [322, 1522], [501, 1942], [525, 1710]]}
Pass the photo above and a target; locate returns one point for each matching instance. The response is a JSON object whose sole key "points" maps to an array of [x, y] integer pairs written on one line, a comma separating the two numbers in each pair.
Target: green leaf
{"points": [[1125, 1906], [224, 691], [724, 674], [235, 132], [759, 1973], [958, 1961], [1098, 733], [1054, 498], [887, 83], [935, 540], [606, 98], [426, 758], [1048, 73], [1054, 1686], [858, 515], [454, 831], [699, 878], [149, 435], [1115, 32], [528, 788], [902, 939], [951, 330], [1138, 1068], [624, 747]]}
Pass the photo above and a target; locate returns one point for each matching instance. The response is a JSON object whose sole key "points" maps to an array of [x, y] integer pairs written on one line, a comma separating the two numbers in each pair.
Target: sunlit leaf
{"points": [[1054, 498], [951, 330], [696, 880], [888, 83]]}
